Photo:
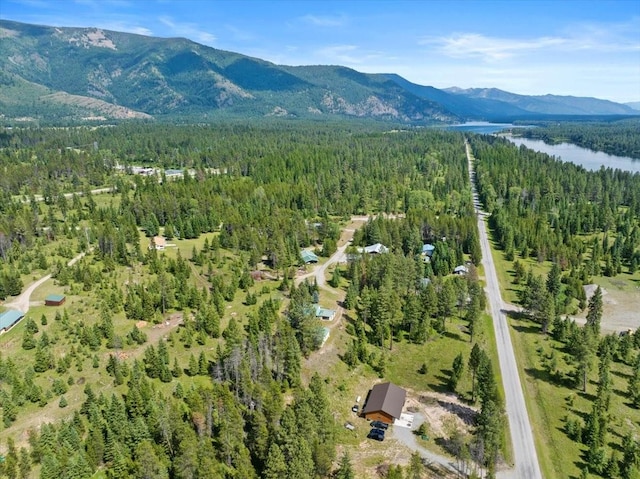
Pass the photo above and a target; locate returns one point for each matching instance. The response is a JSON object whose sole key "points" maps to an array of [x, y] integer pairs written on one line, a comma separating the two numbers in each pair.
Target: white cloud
{"points": [[347, 55], [240, 34], [585, 37], [325, 20], [188, 30], [463, 45], [340, 54], [119, 26]]}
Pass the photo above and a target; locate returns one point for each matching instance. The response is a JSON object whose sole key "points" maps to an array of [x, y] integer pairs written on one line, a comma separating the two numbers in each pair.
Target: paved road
{"points": [[524, 449], [23, 301]]}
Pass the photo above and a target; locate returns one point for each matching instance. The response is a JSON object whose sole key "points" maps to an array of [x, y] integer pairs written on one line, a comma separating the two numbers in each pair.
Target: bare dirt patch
{"points": [[441, 412], [620, 303]]}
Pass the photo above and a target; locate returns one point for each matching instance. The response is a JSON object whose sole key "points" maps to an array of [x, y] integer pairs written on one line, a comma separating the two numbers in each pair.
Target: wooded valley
{"points": [[188, 346]]}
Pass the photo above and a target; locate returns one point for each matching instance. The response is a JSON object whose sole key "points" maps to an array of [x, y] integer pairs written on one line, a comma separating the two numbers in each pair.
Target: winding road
{"points": [[22, 302], [320, 271], [524, 450]]}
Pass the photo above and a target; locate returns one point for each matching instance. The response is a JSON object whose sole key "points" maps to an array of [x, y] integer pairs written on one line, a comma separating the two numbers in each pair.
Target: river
{"points": [[591, 160]]}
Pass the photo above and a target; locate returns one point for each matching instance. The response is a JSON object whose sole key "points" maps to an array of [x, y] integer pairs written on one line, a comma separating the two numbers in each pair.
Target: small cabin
{"points": [[158, 242], [54, 300]]}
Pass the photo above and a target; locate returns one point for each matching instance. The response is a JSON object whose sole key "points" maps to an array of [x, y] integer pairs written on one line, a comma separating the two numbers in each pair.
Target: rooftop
{"points": [[377, 248], [308, 256], [9, 318], [386, 397], [54, 297]]}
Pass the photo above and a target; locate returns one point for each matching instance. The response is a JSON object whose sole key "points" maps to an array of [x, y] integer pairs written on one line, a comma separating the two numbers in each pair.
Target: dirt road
{"points": [[97, 191], [23, 301], [347, 234], [524, 450]]}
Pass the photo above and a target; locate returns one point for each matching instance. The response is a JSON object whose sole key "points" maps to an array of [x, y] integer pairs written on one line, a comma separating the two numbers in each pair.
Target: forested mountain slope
{"points": [[59, 74]]}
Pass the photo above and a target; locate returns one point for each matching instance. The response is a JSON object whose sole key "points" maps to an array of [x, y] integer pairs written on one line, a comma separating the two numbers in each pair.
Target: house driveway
{"points": [[406, 436]]}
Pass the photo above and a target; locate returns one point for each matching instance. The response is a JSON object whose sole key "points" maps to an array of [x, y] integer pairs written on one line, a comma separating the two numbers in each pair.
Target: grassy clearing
{"points": [[551, 401], [404, 361], [84, 306]]}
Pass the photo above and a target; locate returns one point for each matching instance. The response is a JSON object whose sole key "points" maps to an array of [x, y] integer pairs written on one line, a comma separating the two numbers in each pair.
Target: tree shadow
{"points": [[621, 374], [527, 328], [581, 414], [623, 395], [466, 414], [519, 315], [555, 379], [443, 385], [589, 397], [450, 335]]}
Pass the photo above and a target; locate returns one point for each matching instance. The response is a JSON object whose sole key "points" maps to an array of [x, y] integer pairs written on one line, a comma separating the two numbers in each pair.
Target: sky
{"points": [[562, 47]]}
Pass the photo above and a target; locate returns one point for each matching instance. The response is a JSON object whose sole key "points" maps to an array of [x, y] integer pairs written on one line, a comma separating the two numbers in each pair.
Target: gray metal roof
{"points": [[386, 397], [9, 318]]}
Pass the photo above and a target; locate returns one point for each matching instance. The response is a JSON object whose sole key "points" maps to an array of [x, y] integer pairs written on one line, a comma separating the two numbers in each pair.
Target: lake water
{"points": [[482, 127], [591, 160]]}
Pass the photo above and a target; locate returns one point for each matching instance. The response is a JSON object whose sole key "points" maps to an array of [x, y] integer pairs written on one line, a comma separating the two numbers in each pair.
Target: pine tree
{"points": [[594, 313], [553, 281], [473, 317], [334, 282], [583, 355], [276, 467], [345, 469], [475, 359], [176, 371], [24, 464], [634, 384], [193, 366], [416, 468], [203, 364], [456, 371], [63, 402], [9, 412]]}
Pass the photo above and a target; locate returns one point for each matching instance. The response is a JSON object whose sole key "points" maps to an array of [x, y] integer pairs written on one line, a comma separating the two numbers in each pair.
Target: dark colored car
{"points": [[379, 425], [377, 434], [355, 408]]}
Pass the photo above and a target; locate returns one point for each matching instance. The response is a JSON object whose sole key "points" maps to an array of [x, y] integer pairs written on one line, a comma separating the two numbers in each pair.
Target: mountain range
{"points": [[66, 75]]}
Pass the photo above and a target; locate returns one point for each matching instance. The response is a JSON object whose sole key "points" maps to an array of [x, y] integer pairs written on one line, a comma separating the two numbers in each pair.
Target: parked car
{"points": [[379, 425], [355, 408], [349, 426], [377, 434]]}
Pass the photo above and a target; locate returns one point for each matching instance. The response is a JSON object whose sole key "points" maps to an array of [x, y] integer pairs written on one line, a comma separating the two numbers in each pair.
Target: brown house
{"points": [[54, 300], [384, 403]]}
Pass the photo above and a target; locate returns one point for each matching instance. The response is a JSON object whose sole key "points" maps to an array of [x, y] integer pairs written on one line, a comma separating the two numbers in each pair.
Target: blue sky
{"points": [[570, 47]]}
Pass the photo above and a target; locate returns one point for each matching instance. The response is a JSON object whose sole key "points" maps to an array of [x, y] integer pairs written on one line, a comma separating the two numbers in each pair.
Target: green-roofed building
{"points": [[308, 257], [9, 318], [325, 314], [54, 300]]}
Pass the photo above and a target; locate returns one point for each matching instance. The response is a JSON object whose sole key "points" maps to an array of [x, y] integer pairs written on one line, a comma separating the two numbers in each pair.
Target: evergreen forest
{"points": [[205, 359]]}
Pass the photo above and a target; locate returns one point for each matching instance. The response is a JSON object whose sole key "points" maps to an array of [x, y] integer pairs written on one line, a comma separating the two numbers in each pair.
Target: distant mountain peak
{"points": [[86, 74]]}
